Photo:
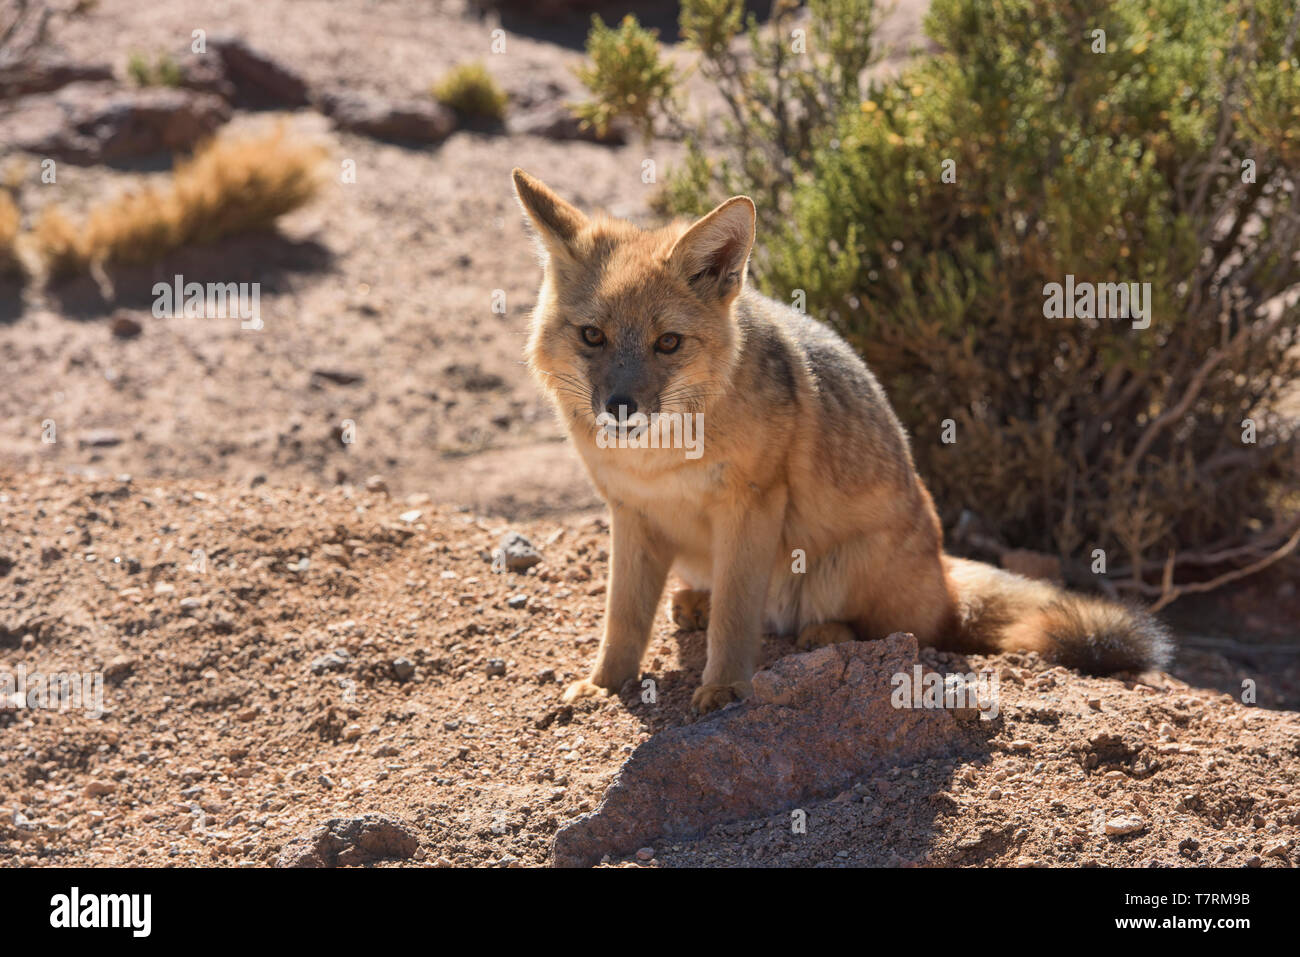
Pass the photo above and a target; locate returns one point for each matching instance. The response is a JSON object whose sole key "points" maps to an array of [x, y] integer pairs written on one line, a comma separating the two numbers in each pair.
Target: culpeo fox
{"points": [[801, 451]]}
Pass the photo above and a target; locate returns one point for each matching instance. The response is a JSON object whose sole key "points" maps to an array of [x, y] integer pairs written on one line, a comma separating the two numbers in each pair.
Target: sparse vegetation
{"points": [[925, 214], [470, 90], [234, 184], [162, 71], [627, 77]]}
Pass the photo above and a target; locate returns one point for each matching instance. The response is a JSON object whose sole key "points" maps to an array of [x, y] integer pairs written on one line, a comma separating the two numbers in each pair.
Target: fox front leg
{"points": [[638, 570], [745, 545]]}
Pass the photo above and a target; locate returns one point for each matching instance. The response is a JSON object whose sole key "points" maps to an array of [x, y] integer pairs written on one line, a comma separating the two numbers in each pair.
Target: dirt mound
{"points": [[273, 659]]}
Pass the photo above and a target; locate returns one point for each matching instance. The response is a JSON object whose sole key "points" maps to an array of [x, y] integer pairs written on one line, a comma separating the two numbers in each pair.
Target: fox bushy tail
{"points": [[1001, 611]]}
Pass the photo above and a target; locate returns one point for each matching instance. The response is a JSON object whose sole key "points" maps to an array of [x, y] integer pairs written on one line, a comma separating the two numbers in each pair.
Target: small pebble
{"points": [[1128, 824]]}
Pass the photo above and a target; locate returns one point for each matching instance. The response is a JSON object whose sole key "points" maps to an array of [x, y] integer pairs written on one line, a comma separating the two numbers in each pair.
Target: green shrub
{"points": [[163, 71], [926, 216], [470, 90], [627, 76]]}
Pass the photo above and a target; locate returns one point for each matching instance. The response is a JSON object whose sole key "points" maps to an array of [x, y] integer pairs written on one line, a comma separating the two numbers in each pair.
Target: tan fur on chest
{"points": [[674, 495]]}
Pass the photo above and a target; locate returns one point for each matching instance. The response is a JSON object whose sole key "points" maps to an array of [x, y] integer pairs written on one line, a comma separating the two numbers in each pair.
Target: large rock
{"points": [[207, 74], [815, 723], [44, 73], [557, 122], [541, 108], [92, 123], [341, 842], [402, 121], [258, 80]]}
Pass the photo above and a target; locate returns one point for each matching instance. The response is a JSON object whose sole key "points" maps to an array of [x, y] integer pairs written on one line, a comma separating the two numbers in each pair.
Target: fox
{"points": [[804, 515]]}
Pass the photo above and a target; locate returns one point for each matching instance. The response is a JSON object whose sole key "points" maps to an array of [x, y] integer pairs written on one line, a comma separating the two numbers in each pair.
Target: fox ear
{"points": [[714, 252], [557, 222]]}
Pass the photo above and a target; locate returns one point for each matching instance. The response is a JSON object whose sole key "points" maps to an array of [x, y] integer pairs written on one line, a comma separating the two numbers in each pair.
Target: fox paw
{"points": [[712, 697], [689, 610], [826, 633], [583, 688]]}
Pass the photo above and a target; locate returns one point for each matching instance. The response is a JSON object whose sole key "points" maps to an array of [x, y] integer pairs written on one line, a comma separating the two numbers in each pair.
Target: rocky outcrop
{"points": [[90, 123], [259, 81], [815, 722], [44, 74], [402, 121]]}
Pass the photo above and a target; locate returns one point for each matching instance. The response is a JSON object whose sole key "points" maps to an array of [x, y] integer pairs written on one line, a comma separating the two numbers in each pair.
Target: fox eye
{"points": [[593, 336], [668, 342]]}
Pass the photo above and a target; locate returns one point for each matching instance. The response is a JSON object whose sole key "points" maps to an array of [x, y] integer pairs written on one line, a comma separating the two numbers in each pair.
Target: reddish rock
{"points": [[557, 122], [258, 80], [93, 123], [124, 325], [207, 74], [402, 121], [815, 723], [43, 74]]}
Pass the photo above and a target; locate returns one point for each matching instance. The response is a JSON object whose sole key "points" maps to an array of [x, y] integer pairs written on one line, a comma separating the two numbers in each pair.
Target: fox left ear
{"points": [[557, 222], [714, 253]]}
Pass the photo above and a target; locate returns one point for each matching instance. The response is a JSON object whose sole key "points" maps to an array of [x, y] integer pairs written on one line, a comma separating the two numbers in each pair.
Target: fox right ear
{"points": [[557, 222], [714, 252]]}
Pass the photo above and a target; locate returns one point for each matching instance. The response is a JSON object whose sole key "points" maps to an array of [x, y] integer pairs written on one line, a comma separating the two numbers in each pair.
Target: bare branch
{"points": [[1169, 592]]}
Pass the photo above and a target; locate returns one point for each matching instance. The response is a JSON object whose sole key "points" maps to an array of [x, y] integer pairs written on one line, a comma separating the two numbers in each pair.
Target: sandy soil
{"points": [[255, 694]]}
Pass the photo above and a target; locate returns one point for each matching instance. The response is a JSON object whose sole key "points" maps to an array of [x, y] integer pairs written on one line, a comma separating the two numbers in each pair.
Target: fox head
{"points": [[634, 321]]}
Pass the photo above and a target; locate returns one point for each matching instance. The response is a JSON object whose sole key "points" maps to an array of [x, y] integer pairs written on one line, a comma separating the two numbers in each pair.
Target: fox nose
{"points": [[625, 402]]}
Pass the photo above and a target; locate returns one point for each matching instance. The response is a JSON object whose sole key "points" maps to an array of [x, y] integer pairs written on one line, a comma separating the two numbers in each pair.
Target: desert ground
{"points": [[296, 630]]}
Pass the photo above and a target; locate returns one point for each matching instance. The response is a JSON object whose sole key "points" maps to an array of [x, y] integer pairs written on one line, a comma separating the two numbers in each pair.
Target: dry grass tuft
{"points": [[10, 265], [232, 185], [470, 90]]}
